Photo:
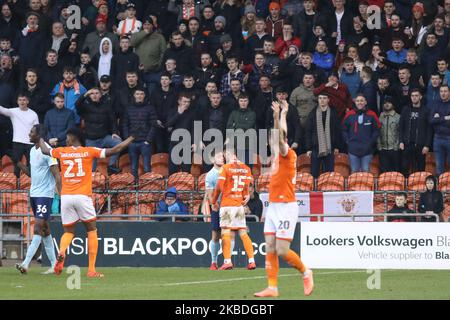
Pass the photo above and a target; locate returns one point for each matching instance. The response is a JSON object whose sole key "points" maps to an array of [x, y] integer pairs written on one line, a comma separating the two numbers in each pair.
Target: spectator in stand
{"points": [[322, 57], [50, 73], [130, 24], [125, 94], [360, 131], [198, 41], [286, 39], [181, 53], [322, 136], [164, 100], [254, 206], [431, 201], [182, 119], [416, 134], [368, 88], [139, 121], [86, 72], [206, 72], [255, 41], [216, 34], [100, 125], [440, 120], [398, 52], [171, 205], [71, 89], [23, 119], [255, 70], [350, 77], [93, 39], [125, 60], [304, 21], [444, 72], [185, 9], [244, 119], [227, 50], [340, 22], [401, 206], [434, 86], [274, 22], [150, 47], [36, 93], [233, 73], [102, 61], [31, 43], [58, 40], [430, 55], [402, 88], [57, 121], [388, 142], [338, 93], [263, 100], [293, 125]]}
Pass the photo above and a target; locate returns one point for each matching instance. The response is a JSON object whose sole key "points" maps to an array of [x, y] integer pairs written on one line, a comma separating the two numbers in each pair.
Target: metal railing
{"points": [[368, 215]]}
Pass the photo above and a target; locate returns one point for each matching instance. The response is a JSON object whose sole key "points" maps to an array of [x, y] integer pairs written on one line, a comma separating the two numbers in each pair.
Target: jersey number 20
{"points": [[70, 164]]}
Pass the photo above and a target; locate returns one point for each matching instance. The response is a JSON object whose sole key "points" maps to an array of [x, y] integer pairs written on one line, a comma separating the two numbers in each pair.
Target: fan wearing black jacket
{"points": [[431, 201], [401, 207], [415, 134], [139, 121], [100, 124]]}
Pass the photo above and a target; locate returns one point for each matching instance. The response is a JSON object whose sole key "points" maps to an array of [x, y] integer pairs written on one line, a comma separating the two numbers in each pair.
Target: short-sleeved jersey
{"points": [[283, 178], [42, 180], [234, 179], [76, 168]]}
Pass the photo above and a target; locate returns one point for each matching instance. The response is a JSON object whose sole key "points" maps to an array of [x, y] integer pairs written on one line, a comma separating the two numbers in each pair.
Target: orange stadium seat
{"points": [[201, 182], [24, 182], [143, 209], [304, 182], [416, 181], [361, 181], [98, 181], [262, 183], [8, 181], [430, 163], [123, 181], [182, 181], [7, 164], [303, 163], [331, 181], [160, 164], [154, 182], [391, 181], [342, 164], [444, 182], [124, 163], [375, 166]]}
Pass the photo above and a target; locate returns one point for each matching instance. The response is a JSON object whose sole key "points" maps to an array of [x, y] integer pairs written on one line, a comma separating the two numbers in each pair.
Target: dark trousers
{"points": [[134, 151], [18, 151], [413, 158], [389, 160], [161, 140], [175, 166], [327, 163]]}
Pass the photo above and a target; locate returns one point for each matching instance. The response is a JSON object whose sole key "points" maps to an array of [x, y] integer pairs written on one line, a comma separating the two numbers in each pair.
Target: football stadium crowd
{"points": [[367, 86]]}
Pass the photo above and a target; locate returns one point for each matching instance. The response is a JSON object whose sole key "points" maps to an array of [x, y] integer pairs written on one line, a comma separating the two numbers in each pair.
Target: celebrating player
{"points": [[44, 174], [282, 213], [76, 202], [233, 184]]}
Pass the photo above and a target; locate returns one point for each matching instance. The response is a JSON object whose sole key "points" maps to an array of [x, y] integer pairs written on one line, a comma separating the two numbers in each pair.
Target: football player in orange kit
{"points": [[76, 202], [233, 184], [282, 213]]}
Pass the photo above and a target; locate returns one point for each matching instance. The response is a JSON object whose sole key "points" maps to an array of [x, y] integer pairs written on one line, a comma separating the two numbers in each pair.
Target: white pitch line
{"points": [[249, 278]]}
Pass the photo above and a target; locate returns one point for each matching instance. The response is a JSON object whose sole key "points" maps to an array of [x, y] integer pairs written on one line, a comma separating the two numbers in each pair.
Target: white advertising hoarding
{"points": [[375, 245], [332, 204]]}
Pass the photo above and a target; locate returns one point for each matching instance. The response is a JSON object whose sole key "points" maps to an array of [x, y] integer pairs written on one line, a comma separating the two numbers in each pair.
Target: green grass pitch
{"points": [[201, 283]]}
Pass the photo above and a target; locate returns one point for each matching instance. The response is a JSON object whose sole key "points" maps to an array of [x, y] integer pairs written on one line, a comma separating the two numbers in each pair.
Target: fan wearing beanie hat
{"points": [[130, 24], [248, 21], [275, 21], [222, 20]]}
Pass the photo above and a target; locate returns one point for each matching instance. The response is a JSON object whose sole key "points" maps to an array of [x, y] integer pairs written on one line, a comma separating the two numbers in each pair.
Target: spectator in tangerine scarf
{"points": [[71, 89]]}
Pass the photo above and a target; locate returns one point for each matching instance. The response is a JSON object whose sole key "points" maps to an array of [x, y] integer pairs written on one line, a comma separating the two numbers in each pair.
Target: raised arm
{"points": [[283, 129], [119, 147], [44, 148], [5, 111]]}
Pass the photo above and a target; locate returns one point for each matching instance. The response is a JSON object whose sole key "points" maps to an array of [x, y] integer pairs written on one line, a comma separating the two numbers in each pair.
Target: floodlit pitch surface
{"points": [[201, 284]]}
